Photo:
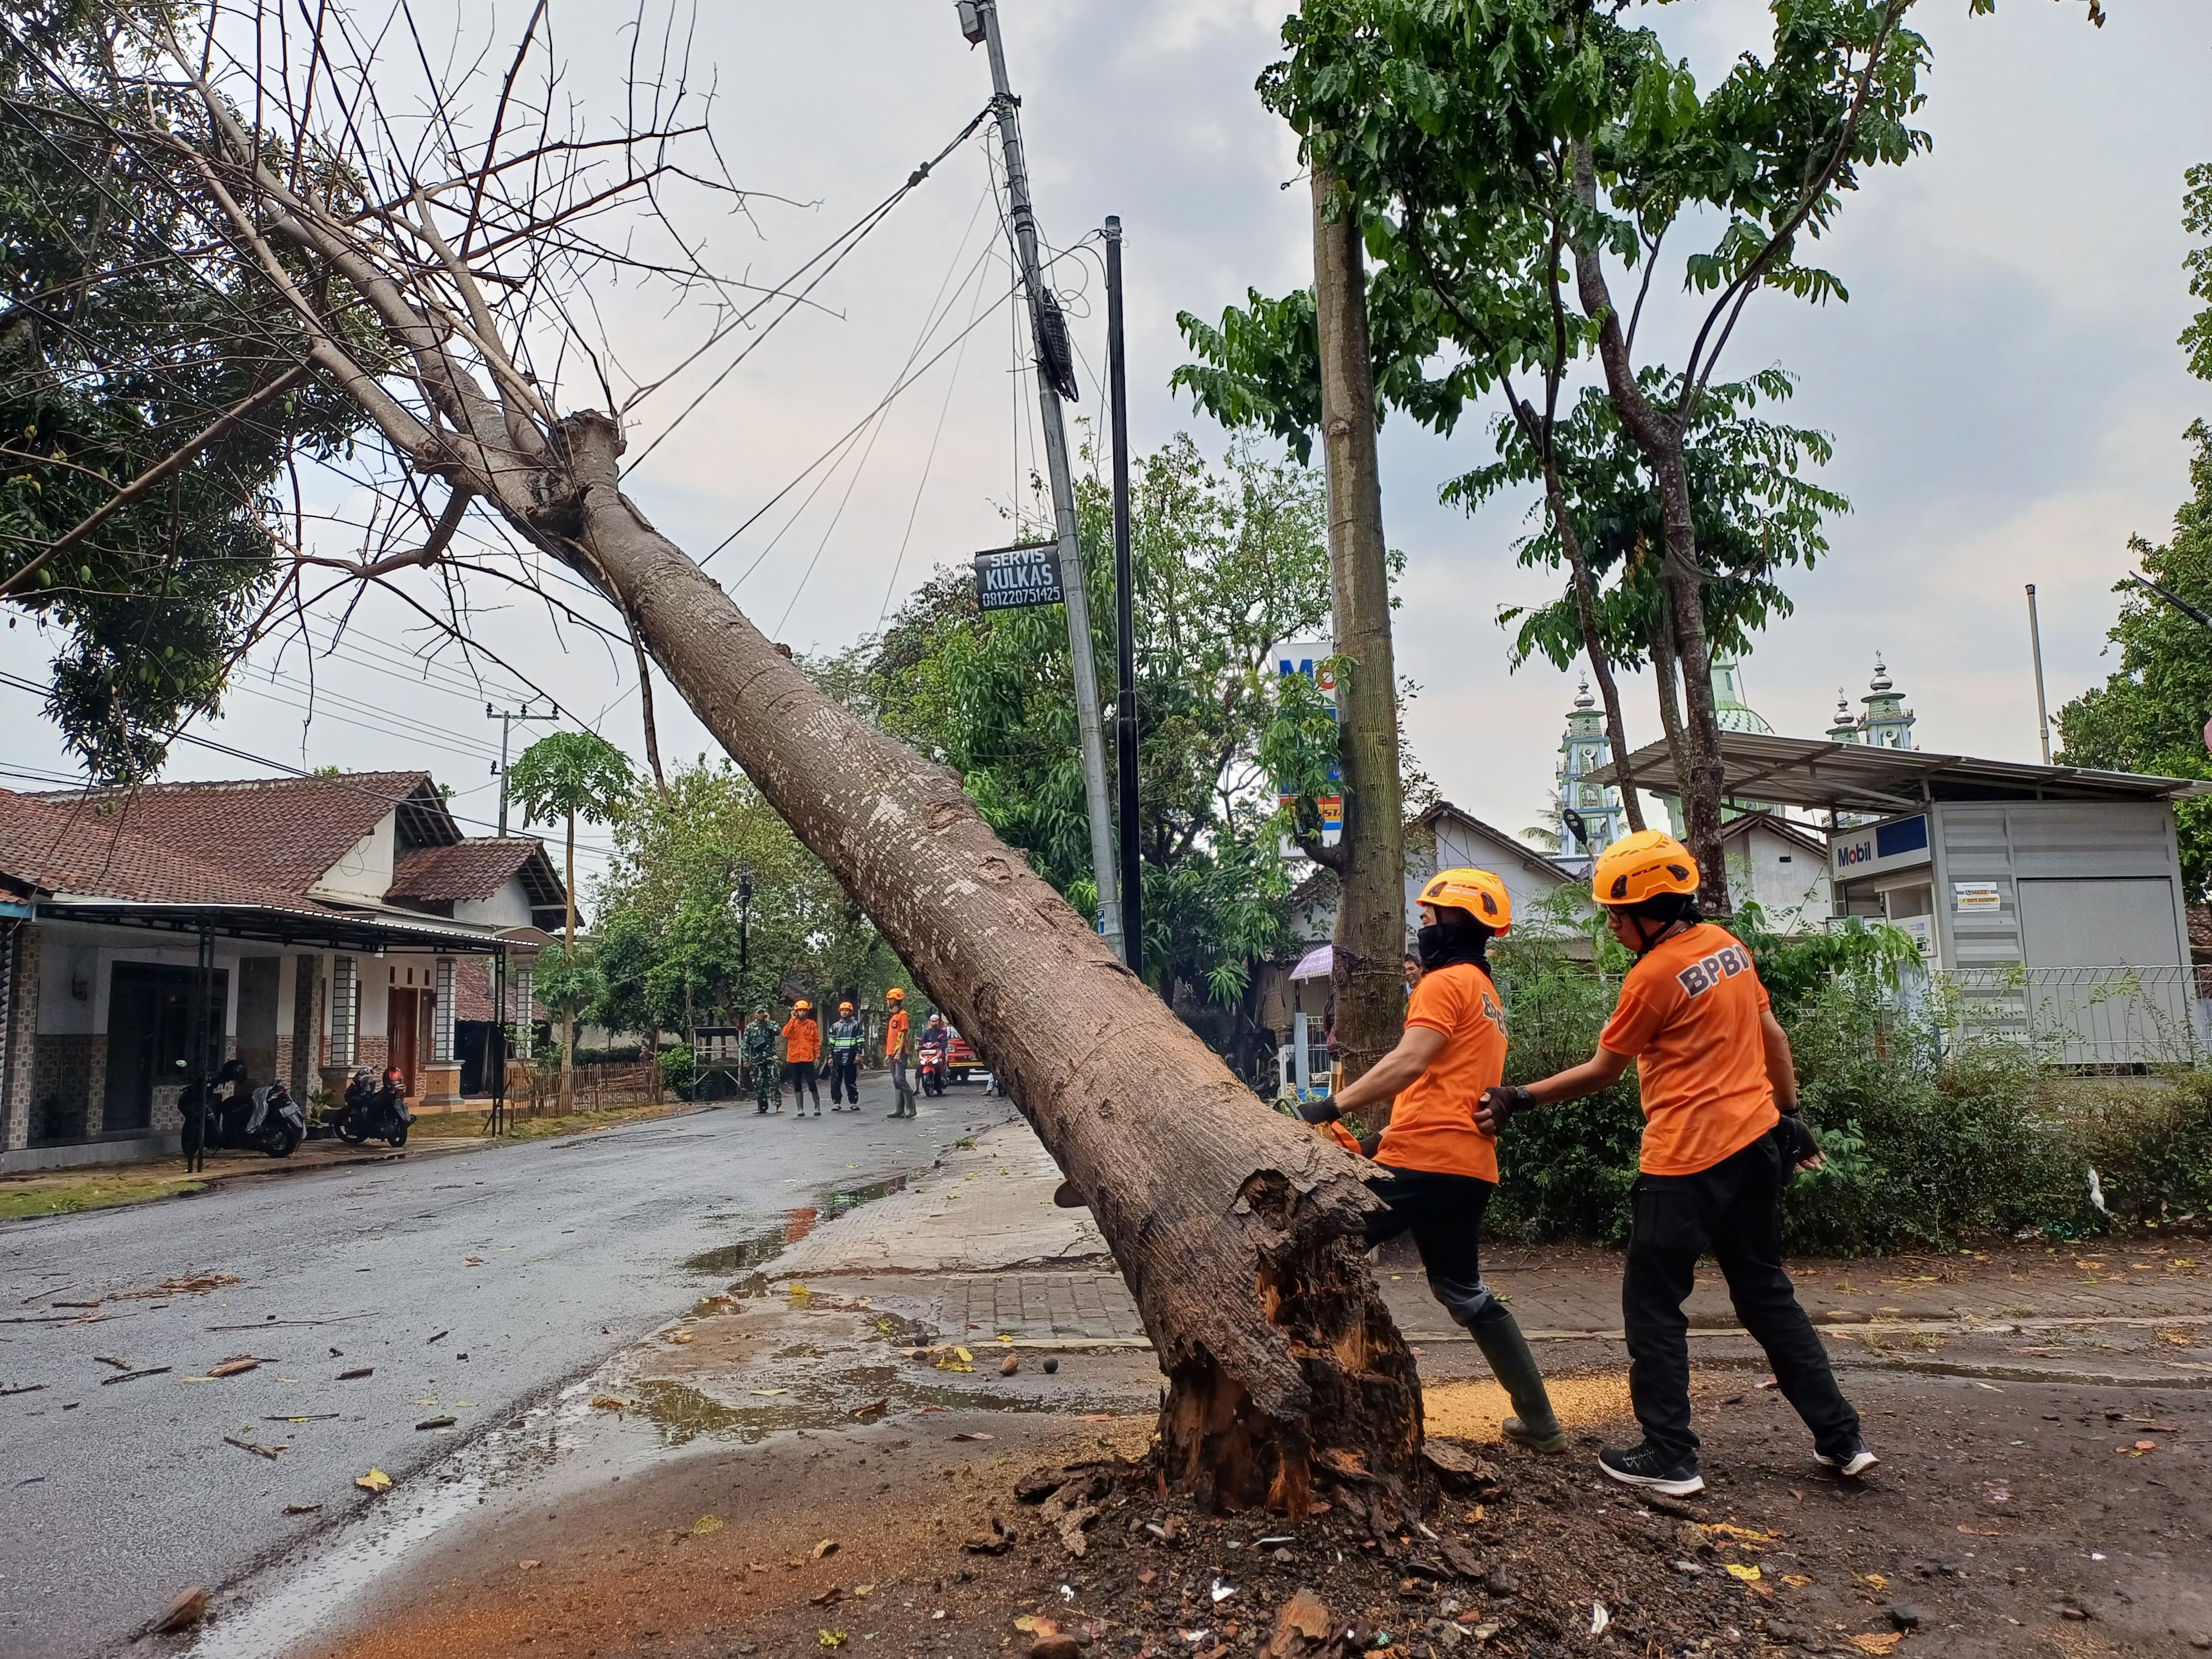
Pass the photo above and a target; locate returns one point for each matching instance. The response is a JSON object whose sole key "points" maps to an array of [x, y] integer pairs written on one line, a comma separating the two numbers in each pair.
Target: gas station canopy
{"points": [[1853, 777]]}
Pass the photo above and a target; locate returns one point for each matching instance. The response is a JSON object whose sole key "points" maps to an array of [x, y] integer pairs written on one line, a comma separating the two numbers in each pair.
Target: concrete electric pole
{"points": [[507, 719], [979, 21]]}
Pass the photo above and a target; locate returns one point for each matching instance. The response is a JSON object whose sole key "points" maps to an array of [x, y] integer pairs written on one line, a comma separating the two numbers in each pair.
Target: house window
{"points": [[441, 1012], [524, 1026], [345, 1010]]}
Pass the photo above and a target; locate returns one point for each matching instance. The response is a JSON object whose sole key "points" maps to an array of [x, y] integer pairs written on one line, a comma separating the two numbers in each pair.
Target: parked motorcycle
{"points": [[374, 1108], [223, 1112]]}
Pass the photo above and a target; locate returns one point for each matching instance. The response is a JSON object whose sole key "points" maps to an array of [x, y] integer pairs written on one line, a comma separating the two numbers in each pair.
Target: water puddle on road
{"points": [[756, 1249]]}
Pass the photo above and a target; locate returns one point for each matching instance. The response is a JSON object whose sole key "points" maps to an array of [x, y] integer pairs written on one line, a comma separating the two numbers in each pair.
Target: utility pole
{"points": [[1125, 613], [507, 719], [2035, 646], [979, 22]]}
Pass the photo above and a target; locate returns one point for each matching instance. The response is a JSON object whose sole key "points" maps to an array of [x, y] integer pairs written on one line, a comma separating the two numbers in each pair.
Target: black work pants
{"points": [[1443, 1212], [1733, 1209], [845, 1079], [800, 1075]]}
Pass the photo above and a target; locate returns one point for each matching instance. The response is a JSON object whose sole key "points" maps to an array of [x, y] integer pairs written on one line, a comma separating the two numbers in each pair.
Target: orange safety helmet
{"points": [[802, 1006], [894, 994], [844, 1008], [1641, 867], [1478, 892]]}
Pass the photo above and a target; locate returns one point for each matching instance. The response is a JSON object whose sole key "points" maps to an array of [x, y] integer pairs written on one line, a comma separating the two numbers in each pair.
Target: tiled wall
{"points": [[67, 1076], [20, 1048]]}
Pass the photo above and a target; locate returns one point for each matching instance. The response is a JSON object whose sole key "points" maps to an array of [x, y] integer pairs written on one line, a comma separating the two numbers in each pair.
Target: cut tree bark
{"points": [[1371, 867], [1239, 1231]]}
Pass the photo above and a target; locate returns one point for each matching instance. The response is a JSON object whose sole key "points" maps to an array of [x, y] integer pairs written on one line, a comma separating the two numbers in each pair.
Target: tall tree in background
{"points": [[1232, 561], [1757, 514], [1511, 155], [668, 936], [1370, 856], [569, 776], [150, 401], [1241, 1234], [2150, 713]]}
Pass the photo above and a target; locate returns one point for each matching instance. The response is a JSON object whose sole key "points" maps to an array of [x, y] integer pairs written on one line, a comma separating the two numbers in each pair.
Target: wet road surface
{"points": [[465, 1285]]}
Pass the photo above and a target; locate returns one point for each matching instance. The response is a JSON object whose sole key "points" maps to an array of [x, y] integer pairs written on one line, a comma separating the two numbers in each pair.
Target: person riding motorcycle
{"points": [[847, 1034], [1722, 1133], [931, 1054], [1438, 1165]]}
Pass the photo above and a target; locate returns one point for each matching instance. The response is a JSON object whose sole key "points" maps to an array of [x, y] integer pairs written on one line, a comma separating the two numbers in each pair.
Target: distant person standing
{"points": [[1414, 971], [760, 1061], [847, 1034], [895, 1046], [802, 1052]]}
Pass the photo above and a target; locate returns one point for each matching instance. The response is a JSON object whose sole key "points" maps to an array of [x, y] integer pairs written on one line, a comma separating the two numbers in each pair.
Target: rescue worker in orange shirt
{"points": [[802, 1052], [1722, 1133], [895, 1042], [1438, 1168]]}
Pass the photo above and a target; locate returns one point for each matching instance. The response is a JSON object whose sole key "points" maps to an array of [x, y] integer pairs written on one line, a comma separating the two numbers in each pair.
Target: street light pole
{"points": [[1125, 614], [979, 22], [2035, 645]]}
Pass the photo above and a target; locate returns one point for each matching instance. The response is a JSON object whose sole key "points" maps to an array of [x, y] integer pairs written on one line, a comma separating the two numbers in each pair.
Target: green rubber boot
{"points": [[1533, 1424]]}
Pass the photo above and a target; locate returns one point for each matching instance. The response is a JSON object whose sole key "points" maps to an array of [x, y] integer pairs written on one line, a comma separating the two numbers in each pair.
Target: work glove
{"points": [[1499, 1103], [1799, 1146], [1324, 1110], [1370, 1144]]}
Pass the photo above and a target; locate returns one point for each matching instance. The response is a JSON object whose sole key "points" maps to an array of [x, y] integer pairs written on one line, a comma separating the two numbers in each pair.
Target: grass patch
{"points": [[69, 1191], [470, 1125]]}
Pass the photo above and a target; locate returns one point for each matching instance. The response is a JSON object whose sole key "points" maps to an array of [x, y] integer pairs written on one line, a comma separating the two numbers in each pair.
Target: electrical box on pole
{"points": [[1055, 366]]}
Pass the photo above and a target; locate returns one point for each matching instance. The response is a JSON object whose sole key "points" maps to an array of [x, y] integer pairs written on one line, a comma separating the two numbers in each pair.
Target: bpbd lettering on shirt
{"points": [[1701, 976]]}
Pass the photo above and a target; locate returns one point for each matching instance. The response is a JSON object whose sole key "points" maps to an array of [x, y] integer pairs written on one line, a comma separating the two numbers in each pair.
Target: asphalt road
{"points": [[472, 1284]]}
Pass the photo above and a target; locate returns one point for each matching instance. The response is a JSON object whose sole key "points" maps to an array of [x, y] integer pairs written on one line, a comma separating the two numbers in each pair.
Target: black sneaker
{"points": [[1853, 1464], [1648, 1466]]}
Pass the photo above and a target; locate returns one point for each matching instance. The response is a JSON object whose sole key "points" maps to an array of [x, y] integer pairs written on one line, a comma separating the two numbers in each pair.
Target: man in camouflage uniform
{"points": [[760, 1061]]}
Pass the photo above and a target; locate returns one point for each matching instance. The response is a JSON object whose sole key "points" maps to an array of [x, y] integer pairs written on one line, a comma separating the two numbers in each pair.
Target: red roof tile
{"points": [[473, 869], [79, 848], [281, 832]]}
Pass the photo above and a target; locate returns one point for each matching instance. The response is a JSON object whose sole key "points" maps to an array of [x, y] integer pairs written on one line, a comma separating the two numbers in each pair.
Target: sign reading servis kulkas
{"points": [[1013, 578]]}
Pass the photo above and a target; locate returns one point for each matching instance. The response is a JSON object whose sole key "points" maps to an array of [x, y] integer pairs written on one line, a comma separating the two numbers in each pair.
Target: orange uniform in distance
{"points": [[1432, 1122], [1689, 1016], [894, 1034], [802, 1040]]}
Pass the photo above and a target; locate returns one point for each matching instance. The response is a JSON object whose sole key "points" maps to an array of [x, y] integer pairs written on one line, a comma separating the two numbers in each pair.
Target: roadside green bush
{"points": [[1930, 1136], [1565, 1171], [678, 1068], [2149, 1139]]}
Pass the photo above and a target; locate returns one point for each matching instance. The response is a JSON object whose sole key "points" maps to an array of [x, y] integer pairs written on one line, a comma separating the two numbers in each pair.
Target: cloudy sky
{"points": [[2003, 387]]}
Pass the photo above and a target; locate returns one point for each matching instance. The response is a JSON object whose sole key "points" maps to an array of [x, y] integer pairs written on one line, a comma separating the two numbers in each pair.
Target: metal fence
{"points": [[2077, 1018]]}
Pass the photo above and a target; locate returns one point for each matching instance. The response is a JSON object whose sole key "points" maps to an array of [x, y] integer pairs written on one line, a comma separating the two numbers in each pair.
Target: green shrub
{"points": [[1930, 1135], [678, 1069], [2149, 1138], [1564, 1172]]}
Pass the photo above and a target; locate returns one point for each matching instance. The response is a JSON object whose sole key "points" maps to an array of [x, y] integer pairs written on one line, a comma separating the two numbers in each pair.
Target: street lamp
{"points": [[744, 930]]}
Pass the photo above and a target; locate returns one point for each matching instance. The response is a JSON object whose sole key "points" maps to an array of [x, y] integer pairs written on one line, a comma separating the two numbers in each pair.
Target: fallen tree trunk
{"points": [[1237, 1229]]}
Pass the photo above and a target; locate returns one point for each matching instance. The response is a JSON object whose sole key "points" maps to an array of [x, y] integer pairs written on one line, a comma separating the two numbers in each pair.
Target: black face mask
{"points": [[1456, 938]]}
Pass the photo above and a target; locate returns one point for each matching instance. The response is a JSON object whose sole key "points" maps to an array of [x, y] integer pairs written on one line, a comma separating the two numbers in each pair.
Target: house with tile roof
{"points": [[303, 926]]}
